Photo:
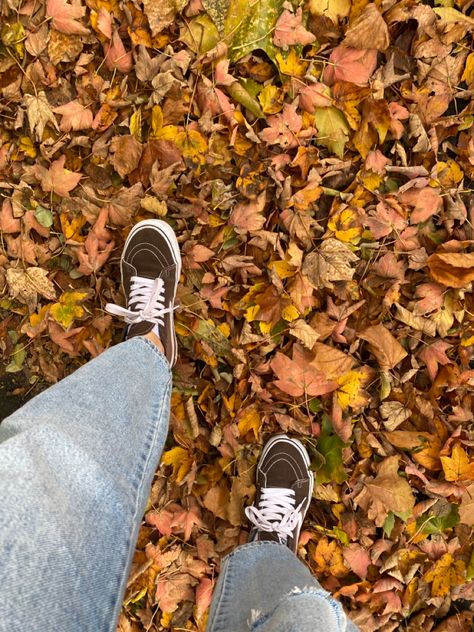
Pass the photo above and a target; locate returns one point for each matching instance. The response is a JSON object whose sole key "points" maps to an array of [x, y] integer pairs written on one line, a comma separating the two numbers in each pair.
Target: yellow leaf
{"points": [[333, 9], [457, 467], [290, 313], [283, 269], [468, 74], [346, 226], [72, 229], [180, 460], [271, 99], [225, 329], [329, 558], [158, 131], [37, 318], [350, 392], [193, 145], [250, 420], [292, 65], [136, 125], [67, 309], [445, 574], [449, 174], [265, 328], [251, 313], [25, 144]]}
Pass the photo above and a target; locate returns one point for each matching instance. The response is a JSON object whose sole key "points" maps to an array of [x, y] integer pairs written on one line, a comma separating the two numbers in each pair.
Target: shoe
{"points": [[284, 490], [150, 267]]}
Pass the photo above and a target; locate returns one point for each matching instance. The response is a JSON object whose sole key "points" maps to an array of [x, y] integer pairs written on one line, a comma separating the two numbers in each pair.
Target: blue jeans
{"points": [[76, 465]]}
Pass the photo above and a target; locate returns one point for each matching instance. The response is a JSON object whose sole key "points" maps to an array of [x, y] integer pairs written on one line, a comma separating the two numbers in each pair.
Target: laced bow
{"points": [[146, 302], [276, 512]]}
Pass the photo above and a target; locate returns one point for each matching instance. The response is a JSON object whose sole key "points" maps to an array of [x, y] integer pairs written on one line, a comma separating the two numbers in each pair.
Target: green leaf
{"points": [[250, 27], [439, 523], [200, 34], [333, 129], [44, 216], [240, 94], [327, 458], [16, 359], [389, 523]]}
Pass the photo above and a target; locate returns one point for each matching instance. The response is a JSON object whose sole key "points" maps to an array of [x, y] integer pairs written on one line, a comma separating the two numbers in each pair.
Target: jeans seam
{"points": [[112, 624], [153, 347]]}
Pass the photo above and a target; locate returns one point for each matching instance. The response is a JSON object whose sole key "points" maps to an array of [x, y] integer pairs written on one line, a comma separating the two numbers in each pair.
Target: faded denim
{"points": [[76, 465]]}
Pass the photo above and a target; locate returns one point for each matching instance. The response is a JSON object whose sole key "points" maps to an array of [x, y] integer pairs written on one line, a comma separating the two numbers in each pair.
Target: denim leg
{"points": [[76, 465], [263, 587]]}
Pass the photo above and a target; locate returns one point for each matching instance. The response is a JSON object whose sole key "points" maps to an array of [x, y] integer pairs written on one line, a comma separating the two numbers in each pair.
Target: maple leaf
{"points": [[458, 467], [350, 64], [25, 285], [435, 354], [57, 179], [331, 262], [116, 57], [298, 376], [74, 116], [39, 114], [329, 558], [289, 30], [445, 574], [357, 559], [424, 202], [64, 17], [69, 307], [249, 216], [387, 492]]}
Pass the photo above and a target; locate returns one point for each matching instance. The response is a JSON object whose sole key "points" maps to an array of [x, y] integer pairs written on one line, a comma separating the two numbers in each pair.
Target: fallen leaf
{"points": [[329, 558], [298, 376], [424, 203], [116, 57], [452, 269], [458, 467], [388, 492], [74, 116], [127, 153], [330, 263], [64, 16], [386, 349], [26, 284], [350, 64], [39, 114], [368, 31], [357, 559], [289, 30], [57, 179], [394, 414], [445, 574], [69, 307]]}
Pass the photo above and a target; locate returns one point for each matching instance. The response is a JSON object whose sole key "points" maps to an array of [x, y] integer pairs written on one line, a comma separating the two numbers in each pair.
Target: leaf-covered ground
{"points": [[316, 164]]}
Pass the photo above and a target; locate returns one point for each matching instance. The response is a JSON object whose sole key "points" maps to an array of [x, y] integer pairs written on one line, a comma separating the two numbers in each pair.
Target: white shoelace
{"points": [[276, 512], [146, 302]]}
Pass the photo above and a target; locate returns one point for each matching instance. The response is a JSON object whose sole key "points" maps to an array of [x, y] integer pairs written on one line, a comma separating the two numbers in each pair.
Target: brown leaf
{"points": [[127, 153], [388, 492], [64, 17], [331, 262], [386, 349], [57, 178], [248, 217], [74, 116], [369, 30], [452, 269]]}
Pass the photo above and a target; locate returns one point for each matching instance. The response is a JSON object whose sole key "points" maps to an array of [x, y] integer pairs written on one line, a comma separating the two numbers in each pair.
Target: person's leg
{"points": [[263, 587], [77, 461], [76, 464]]}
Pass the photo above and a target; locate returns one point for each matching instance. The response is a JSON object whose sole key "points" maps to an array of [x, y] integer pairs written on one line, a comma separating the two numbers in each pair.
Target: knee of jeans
{"points": [[306, 609]]}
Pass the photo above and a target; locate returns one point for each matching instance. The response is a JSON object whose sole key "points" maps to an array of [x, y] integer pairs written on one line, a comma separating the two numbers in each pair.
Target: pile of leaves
{"points": [[315, 162]]}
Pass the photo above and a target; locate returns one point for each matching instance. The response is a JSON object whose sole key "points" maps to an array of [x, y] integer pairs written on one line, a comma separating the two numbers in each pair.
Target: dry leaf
{"points": [[452, 269], [39, 114], [369, 30], [65, 15], [388, 351], [331, 262], [25, 285]]}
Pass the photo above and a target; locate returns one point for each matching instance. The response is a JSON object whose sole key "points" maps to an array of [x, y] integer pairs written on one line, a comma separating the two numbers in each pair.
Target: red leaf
{"points": [[289, 30], [116, 57], [298, 376], [425, 203], [64, 17], [203, 596], [350, 64]]}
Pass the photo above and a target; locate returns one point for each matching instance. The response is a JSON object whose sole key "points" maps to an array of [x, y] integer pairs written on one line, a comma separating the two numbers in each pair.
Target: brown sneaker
{"points": [[284, 490], [150, 268]]}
